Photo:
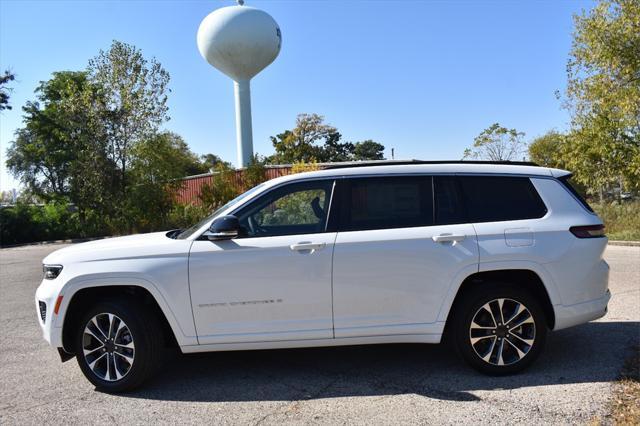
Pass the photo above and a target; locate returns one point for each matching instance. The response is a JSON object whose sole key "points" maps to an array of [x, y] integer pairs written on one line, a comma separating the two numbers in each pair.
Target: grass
{"points": [[622, 220], [625, 404]]}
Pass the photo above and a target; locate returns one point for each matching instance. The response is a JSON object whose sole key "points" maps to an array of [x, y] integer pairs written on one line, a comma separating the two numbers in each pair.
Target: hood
{"points": [[110, 248]]}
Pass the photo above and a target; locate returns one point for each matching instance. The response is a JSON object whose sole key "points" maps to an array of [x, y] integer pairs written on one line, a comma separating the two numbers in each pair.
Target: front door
{"points": [[273, 282]]}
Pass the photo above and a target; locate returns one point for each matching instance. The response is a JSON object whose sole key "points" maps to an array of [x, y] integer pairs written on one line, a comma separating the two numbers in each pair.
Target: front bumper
{"points": [[46, 296]]}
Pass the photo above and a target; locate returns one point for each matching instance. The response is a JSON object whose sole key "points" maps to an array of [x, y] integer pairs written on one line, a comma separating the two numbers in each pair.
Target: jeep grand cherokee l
{"points": [[491, 255]]}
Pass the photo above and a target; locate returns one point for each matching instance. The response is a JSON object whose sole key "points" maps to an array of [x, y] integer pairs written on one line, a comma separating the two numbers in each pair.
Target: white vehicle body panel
{"points": [[393, 281], [260, 289], [378, 286]]}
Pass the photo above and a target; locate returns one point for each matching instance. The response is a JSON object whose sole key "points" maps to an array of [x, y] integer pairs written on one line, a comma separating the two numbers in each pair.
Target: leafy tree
{"points": [[497, 143], [162, 158], [222, 189], [255, 173], [44, 153], [212, 160], [368, 150], [335, 151], [603, 96], [5, 79], [548, 150], [304, 142], [134, 91]]}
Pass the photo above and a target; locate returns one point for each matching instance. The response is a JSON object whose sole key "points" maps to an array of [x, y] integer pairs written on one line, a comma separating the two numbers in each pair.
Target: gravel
{"points": [[384, 384]]}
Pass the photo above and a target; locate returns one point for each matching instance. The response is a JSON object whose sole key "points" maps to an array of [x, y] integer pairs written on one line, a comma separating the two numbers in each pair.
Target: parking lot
{"points": [[390, 384]]}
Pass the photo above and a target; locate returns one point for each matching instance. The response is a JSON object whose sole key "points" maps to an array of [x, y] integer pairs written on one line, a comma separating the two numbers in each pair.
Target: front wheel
{"points": [[499, 329], [118, 345]]}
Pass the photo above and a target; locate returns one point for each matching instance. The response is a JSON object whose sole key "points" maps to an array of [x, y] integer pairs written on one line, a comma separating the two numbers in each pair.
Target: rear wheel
{"points": [[118, 345], [499, 329]]}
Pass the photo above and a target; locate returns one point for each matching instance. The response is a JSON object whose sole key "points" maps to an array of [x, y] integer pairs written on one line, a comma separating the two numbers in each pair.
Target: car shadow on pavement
{"points": [[592, 352]]}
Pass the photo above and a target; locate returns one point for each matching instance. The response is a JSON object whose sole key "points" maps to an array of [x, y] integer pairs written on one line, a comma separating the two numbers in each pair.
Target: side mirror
{"points": [[223, 228]]}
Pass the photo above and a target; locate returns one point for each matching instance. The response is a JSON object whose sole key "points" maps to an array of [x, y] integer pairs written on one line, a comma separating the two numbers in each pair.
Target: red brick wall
{"points": [[192, 185]]}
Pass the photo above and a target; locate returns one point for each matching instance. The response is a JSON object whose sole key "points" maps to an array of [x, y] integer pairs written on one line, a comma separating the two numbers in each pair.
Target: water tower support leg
{"points": [[244, 133]]}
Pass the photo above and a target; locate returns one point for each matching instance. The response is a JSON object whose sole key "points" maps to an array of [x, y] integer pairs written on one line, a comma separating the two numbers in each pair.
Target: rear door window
{"points": [[500, 198], [386, 203]]}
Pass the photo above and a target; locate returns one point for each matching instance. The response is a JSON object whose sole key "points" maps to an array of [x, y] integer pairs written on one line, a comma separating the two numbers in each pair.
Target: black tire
{"points": [[509, 345], [145, 333]]}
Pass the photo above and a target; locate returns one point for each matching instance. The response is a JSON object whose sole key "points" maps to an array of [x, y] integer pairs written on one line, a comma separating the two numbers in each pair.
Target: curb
{"points": [[625, 243]]}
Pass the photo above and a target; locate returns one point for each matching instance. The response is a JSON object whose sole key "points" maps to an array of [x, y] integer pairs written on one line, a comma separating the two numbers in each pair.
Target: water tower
{"points": [[240, 41]]}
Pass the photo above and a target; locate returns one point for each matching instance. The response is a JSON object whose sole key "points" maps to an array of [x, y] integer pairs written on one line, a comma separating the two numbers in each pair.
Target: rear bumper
{"points": [[580, 313]]}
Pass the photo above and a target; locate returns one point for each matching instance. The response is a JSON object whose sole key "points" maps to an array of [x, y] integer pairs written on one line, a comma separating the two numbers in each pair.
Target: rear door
{"points": [[396, 254]]}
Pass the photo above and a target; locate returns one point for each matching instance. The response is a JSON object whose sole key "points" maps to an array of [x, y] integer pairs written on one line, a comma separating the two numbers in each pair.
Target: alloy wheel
{"points": [[502, 332], [108, 347]]}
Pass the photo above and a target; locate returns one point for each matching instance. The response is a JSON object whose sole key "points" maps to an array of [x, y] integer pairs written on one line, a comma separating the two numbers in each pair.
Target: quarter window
{"points": [[385, 203], [497, 198]]}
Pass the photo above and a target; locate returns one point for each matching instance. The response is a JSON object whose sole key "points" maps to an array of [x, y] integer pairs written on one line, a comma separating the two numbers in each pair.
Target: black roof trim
{"points": [[349, 164]]}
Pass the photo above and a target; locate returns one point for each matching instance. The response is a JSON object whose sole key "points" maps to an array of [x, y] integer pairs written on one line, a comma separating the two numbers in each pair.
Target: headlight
{"points": [[51, 272]]}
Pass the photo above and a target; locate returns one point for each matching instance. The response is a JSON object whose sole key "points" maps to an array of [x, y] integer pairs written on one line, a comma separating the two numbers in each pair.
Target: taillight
{"points": [[589, 231]]}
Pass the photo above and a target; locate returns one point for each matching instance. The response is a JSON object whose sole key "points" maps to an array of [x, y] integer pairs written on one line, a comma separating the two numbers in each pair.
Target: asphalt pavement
{"points": [[386, 384]]}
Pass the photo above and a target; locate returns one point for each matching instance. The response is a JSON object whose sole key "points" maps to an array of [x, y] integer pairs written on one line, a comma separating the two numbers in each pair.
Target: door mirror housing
{"points": [[223, 228]]}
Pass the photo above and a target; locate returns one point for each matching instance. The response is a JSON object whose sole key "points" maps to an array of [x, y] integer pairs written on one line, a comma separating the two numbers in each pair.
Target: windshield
{"points": [[190, 231]]}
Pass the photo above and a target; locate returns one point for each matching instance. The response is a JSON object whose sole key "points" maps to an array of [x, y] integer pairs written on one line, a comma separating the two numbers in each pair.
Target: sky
{"points": [[422, 77]]}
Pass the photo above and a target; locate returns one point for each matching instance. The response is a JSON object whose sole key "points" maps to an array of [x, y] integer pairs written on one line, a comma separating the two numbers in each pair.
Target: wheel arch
{"points": [[81, 298], [524, 277]]}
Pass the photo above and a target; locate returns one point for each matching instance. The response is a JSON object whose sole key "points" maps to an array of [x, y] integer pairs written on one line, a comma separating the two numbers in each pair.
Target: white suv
{"points": [[490, 255]]}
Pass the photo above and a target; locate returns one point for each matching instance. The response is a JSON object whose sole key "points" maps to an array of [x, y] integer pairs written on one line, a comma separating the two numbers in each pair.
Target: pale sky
{"points": [[423, 77]]}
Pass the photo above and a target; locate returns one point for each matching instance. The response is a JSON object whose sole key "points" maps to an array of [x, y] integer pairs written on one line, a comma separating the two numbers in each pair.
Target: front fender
{"points": [[183, 332]]}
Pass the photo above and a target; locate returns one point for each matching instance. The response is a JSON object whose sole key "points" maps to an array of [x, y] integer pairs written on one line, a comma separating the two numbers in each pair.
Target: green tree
{"points": [[157, 164], [549, 149], [222, 189], [5, 79], [163, 157], [255, 173], [212, 160], [603, 96], [368, 150], [134, 91], [334, 151], [497, 143], [43, 151], [304, 143]]}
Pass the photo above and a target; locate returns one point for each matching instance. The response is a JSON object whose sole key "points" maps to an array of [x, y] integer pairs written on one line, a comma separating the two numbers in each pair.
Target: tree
{"points": [[497, 143], [44, 150], [135, 100], [212, 160], [157, 164], [5, 79], [255, 173], [368, 150], [305, 141], [549, 149], [603, 96], [334, 151], [221, 190], [162, 158]]}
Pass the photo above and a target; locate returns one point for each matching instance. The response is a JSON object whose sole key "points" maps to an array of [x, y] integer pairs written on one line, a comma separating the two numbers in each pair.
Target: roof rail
{"points": [[405, 162]]}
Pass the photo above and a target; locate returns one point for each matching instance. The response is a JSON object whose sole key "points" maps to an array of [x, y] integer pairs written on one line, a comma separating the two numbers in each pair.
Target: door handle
{"points": [[447, 238], [307, 246]]}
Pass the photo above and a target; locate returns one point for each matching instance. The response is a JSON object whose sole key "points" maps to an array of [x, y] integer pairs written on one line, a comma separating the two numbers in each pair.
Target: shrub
{"points": [[24, 223], [622, 220]]}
